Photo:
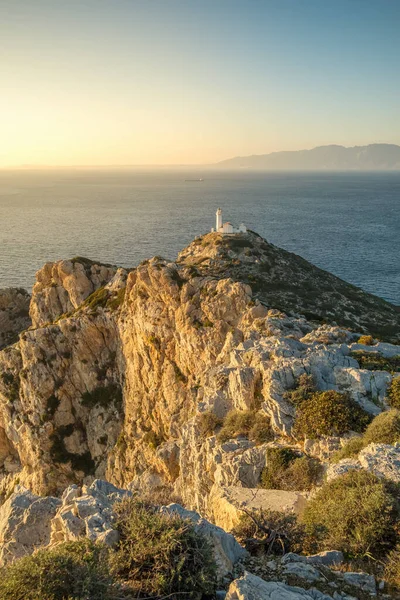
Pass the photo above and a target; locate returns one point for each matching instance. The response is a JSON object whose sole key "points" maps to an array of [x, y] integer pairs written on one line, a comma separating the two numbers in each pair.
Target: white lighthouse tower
{"points": [[227, 228], [219, 220]]}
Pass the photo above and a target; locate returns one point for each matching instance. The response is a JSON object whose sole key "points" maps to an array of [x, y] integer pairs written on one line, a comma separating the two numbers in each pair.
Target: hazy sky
{"points": [[194, 81]]}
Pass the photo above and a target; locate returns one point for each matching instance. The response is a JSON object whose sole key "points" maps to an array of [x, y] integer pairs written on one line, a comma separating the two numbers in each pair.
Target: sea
{"points": [[347, 223]]}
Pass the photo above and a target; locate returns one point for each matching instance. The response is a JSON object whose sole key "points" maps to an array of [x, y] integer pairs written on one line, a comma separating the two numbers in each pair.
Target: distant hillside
{"points": [[371, 157]]}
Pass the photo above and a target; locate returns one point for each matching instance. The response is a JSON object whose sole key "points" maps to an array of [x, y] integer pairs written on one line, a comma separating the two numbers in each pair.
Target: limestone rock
{"points": [[382, 459], [62, 286], [228, 503], [25, 524], [343, 466], [14, 314], [251, 587], [227, 551], [87, 512]]}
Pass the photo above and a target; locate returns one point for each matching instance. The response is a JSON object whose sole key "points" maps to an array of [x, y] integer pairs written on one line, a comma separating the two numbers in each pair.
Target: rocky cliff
{"points": [[137, 377]]}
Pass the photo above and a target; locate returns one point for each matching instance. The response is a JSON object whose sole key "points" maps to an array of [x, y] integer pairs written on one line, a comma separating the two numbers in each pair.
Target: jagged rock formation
{"points": [[118, 369], [14, 314]]}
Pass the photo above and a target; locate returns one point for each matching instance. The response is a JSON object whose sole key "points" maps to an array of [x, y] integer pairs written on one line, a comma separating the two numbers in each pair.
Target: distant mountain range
{"points": [[363, 158]]}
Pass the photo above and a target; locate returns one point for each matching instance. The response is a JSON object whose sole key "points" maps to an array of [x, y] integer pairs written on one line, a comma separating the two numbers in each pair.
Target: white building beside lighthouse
{"points": [[227, 227]]}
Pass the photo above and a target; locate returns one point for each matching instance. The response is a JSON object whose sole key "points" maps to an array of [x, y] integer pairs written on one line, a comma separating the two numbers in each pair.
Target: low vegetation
{"points": [[286, 470], [329, 413], [373, 361], [246, 423], [103, 396], [73, 571], [392, 569], [356, 513], [384, 429], [366, 340], [207, 423], [161, 554], [394, 393], [270, 532]]}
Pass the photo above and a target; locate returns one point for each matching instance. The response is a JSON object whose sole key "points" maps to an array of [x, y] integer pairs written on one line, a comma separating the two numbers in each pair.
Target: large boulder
{"points": [[228, 504]]}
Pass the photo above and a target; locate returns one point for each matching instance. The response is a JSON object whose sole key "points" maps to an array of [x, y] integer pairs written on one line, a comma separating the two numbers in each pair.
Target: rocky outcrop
{"points": [[383, 460], [14, 314], [62, 286]]}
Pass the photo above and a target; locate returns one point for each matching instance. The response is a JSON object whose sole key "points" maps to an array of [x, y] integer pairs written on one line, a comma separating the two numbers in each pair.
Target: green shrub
{"points": [[285, 470], [329, 413], [367, 340], [304, 389], [394, 393], [383, 429], [271, 532], [161, 554], [373, 361], [208, 422], [246, 423], [355, 513], [75, 570]]}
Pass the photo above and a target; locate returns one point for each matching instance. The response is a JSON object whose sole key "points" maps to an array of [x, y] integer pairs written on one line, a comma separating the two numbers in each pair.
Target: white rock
{"points": [[251, 587], [382, 459]]}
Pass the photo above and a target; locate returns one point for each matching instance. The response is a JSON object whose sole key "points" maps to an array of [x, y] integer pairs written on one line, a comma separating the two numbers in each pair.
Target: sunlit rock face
{"points": [[113, 377]]}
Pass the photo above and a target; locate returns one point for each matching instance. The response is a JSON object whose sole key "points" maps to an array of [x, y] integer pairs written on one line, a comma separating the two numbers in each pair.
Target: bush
{"points": [[304, 390], [208, 422], [367, 340], [246, 423], [75, 570], [271, 532], [329, 413], [383, 429], [161, 554], [355, 513], [394, 393], [103, 396], [285, 470]]}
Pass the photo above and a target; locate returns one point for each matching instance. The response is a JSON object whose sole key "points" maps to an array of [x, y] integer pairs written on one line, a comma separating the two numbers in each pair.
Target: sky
{"points": [[118, 82]]}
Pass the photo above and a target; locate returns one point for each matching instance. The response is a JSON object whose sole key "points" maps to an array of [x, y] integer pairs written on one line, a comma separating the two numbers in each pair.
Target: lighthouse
{"points": [[227, 228], [219, 220]]}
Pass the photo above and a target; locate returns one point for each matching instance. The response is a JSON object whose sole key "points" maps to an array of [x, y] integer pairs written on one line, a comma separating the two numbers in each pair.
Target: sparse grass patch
{"points": [[117, 301], [161, 554], [246, 423], [98, 299], [304, 389]]}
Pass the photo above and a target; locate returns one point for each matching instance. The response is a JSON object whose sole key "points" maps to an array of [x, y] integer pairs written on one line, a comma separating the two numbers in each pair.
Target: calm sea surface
{"points": [[347, 223]]}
